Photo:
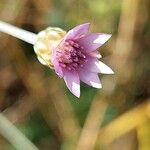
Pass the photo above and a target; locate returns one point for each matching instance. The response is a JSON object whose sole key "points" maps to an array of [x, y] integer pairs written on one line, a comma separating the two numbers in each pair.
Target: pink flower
{"points": [[76, 58]]}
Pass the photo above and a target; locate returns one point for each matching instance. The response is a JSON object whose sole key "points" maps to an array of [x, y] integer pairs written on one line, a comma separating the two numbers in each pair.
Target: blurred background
{"points": [[37, 102]]}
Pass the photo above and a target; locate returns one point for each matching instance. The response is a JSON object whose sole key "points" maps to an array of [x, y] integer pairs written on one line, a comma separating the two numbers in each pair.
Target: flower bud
{"points": [[47, 41]]}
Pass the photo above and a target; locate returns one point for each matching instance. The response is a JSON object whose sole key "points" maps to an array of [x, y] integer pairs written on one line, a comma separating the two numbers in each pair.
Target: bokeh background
{"points": [[37, 102]]}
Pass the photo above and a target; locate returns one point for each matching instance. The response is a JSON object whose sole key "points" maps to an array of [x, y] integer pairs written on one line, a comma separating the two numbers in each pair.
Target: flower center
{"points": [[71, 55]]}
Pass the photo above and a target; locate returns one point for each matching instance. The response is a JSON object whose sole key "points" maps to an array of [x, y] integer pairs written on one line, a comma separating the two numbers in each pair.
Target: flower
{"points": [[76, 57], [72, 55]]}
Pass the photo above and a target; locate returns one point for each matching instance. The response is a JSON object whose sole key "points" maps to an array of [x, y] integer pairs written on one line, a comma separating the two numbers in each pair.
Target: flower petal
{"points": [[78, 31], [93, 41], [90, 78], [102, 38], [90, 64], [72, 81], [103, 68], [95, 54], [57, 68], [94, 65]]}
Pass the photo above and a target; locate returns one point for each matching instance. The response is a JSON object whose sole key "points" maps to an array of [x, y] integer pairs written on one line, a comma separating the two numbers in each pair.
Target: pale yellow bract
{"points": [[47, 41]]}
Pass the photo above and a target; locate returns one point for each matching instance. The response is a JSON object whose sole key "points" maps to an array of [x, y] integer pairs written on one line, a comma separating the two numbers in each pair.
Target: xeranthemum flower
{"points": [[76, 58], [72, 55]]}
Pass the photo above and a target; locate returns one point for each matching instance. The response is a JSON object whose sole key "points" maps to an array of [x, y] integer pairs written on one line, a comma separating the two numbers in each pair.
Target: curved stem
{"points": [[19, 33]]}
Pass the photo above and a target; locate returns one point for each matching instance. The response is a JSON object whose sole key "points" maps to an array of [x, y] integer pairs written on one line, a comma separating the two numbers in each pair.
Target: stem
{"points": [[19, 33], [14, 136]]}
